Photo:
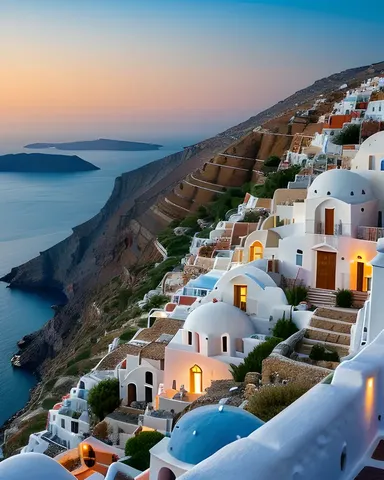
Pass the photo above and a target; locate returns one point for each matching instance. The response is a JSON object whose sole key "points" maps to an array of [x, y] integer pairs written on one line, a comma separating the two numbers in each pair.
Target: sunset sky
{"points": [[167, 69]]}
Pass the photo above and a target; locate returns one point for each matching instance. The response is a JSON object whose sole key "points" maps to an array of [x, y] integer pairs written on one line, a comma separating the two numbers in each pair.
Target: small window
{"points": [[189, 338], [315, 191], [74, 427], [352, 194], [373, 109], [162, 364], [224, 341], [363, 192], [362, 209], [299, 258], [149, 378], [53, 418], [328, 193], [82, 385], [62, 423]]}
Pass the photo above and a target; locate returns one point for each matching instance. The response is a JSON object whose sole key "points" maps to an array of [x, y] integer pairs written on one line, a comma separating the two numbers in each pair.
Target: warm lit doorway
{"points": [[196, 379], [326, 270], [255, 251], [329, 221], [131, 393], [240, 297], [360, 277]]}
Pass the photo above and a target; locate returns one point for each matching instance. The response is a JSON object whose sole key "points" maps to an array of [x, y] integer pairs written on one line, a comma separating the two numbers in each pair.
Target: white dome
{"points": [[33, 466], [373, 144], [218, 318], [343, 185]]}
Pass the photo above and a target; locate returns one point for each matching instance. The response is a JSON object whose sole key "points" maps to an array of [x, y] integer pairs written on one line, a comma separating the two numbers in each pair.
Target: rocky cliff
{"points": [[122, 234]]}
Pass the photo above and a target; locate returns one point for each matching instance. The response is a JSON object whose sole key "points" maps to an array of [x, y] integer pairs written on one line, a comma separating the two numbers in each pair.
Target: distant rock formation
{"points": [[44, 163], [100, 144]]}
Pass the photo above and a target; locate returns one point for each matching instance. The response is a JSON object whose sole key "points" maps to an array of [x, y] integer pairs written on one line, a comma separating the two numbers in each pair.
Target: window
{"points": [[240, 297], [149, 378], [196, 379], [299, 258], [53, 418], [224, 342], [62, 423], [189, 338], [373, 109], [255, 251], [74, 427], [352, 194], [148, 394], [363, 192], [162, 364], [82, 385]]}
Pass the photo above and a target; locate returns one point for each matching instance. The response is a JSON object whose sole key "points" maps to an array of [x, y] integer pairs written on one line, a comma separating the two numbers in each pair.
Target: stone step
{"points": [[335, 313], [326, 336], [330, 324], [304, 348], [342, 350]]}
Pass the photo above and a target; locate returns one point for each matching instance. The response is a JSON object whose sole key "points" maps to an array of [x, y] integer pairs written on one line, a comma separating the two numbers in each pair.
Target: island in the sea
{"points": [[100, 144], [44, 163]]}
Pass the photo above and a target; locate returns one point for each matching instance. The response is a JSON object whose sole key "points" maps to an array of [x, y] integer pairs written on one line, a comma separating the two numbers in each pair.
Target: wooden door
{"points": [[329, 221], [131, 393], [240, 297], [360, 277], [326, 270]]}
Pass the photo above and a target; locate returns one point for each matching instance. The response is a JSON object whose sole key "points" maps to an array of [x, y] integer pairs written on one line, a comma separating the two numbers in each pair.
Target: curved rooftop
{"points": [[33, 466], [344, 185], [218, 318], [202, 432]]}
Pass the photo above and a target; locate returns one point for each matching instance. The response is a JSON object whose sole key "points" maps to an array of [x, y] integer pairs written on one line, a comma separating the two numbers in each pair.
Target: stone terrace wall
{"points": [[291, 370]]}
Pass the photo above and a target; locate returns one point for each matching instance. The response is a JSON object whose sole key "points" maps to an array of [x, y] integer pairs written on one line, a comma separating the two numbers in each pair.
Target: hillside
{"points": [[104, 144], [44, 163], [144, 201]]}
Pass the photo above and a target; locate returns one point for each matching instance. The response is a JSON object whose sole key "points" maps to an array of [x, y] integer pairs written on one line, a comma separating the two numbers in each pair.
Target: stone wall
{"points": [[291, 370]]}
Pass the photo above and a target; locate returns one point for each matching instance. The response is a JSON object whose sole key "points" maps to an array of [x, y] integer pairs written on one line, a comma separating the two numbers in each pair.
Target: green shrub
{"points": [[348, 136], [127, 335], [319, 353], [138, 449], [284, 328], [190, 222], [123, 298], [104, 397], [253, 361], [174, 224], [270, 400], [156, 301], [272, 161], [344, 298], [296, 294], [178, 245], [274, 181], [205, 232], [83, 355]]}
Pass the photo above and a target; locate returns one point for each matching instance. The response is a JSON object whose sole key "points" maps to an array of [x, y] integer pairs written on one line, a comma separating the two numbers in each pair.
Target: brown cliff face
{"points": [[142, 203]]}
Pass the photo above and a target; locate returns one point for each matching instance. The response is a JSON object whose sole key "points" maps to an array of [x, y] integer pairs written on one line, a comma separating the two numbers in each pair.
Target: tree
{"points": [[274, 181], [138, 449], [253, 361], [104, 397], [348, 136]]}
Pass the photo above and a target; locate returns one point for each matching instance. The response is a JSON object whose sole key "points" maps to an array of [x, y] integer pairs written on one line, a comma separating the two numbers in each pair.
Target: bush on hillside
{"points": [[127, 335], [348, 136], [284, 328], [296, 294], [253, 361], [274, 181], [123, 298], [272, 161], [344, 298], [82, 355], [104, 397], [320, 353], [156, 301], [138, 449], [270, 400]]}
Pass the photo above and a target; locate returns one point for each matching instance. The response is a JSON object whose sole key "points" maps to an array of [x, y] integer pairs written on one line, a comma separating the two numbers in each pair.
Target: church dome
{"points": [[219, 318], [33, 466], [203, 431], [343, 185]]}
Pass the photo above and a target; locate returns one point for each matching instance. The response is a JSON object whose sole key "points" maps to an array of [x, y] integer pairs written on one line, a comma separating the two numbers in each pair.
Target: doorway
{"points": [[131, 393], [166, 474], [240, 297], [255, 251], [196, 379], [360, 277], [329, 221], [326, 270], [148, 394]]}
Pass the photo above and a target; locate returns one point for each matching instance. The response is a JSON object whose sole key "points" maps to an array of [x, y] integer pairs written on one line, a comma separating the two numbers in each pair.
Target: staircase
{"points": [[321, 297], [330, 327]]}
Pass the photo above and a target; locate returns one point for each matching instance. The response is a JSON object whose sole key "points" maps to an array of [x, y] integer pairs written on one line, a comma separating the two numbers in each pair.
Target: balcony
{"points": [[371, 234], [339, 229]]}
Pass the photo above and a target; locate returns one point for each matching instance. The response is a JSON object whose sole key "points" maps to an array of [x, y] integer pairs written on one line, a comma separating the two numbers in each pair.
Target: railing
{"points": [[339, 229], [370, 233]]}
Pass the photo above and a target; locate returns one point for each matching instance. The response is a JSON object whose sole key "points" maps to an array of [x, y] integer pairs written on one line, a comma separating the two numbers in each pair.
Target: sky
{"points": [[167, 70]]}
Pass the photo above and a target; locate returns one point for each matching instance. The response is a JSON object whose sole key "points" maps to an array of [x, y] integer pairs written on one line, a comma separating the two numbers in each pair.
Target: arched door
{"points": [[131, 393], [255, 251], [196, 379], [166, 474]]}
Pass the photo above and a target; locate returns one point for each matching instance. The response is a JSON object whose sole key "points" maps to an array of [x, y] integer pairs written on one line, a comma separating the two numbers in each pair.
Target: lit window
{"points": [[240, 297], [299, 258]]}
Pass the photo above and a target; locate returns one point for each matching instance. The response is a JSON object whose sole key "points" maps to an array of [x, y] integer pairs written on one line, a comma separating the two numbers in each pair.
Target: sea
{"points": [[36, 212]]}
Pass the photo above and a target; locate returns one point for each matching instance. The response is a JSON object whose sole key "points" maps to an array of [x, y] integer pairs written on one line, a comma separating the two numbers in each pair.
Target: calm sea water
{"points": [[37, 211]]}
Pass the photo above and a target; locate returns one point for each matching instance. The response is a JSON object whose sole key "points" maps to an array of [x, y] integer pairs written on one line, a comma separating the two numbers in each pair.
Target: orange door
{"points": [[360, 277], [329, 221], [326, 270]]}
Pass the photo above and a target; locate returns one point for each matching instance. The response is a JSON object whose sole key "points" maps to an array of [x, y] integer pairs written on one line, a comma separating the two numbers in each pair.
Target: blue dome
{"points": [[205, 430]]}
